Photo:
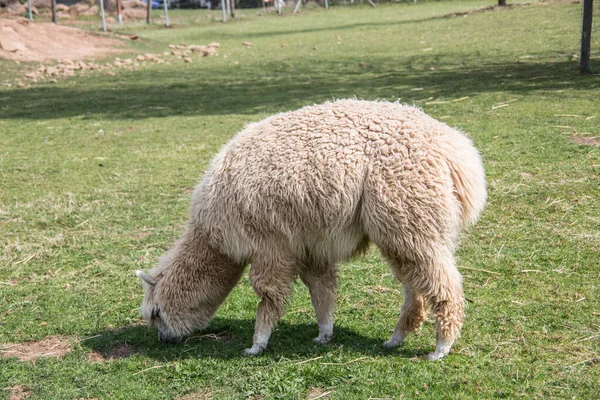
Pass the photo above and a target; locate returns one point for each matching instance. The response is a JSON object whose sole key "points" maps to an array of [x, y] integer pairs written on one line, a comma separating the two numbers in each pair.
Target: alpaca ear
{"points": [[145, 277]]}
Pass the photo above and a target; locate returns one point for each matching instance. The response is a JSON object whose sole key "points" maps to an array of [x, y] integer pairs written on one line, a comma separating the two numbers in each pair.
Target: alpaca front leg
{"points": [[271, 279], [266, 319]]}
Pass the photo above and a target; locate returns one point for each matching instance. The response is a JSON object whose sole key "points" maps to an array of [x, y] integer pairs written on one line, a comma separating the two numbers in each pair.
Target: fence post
{"points": [[586, 37]]}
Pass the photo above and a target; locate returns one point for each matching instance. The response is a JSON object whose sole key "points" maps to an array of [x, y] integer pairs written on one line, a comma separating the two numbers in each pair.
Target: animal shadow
{"points": [[226, 338]]}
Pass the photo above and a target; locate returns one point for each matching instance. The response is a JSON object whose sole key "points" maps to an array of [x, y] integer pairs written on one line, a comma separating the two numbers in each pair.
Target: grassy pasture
{"points": [[96, 173]]}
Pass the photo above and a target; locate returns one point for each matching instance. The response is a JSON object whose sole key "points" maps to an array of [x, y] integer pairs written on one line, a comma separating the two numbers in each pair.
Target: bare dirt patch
{"points": [[196, 396], [18, 392], [52, 346], [587, 141], [113, 353], [23, 40]]}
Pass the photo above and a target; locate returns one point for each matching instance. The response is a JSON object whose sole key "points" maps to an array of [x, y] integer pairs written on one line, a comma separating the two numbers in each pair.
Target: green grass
{"points": [[95, 174]]}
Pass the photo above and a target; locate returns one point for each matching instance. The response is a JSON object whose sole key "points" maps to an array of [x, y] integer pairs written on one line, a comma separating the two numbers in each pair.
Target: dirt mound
{"points": [[52, 346], [28, 41]]}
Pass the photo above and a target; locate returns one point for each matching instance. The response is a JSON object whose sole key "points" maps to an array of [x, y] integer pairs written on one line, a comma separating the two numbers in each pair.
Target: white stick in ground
{"points": [[166, 4], [102, 15]]}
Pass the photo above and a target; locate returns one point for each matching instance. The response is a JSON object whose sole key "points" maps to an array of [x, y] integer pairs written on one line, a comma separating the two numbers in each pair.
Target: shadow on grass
{"points": [[289, 85], [227, 338], [362, 25]]}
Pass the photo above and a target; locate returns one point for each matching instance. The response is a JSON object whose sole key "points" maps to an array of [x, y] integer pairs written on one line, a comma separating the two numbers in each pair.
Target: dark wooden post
{"points": [[119, 12], [53, 11], [586, 37], [148, 11]]}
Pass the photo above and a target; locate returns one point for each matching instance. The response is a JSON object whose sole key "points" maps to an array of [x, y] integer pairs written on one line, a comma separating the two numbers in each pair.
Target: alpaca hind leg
{"points": [[322, 294], [441, 284], [412, 315]]}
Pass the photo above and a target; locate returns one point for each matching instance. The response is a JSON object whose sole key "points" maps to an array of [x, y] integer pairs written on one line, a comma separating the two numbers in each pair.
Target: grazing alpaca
{"points": [[299, 192]]}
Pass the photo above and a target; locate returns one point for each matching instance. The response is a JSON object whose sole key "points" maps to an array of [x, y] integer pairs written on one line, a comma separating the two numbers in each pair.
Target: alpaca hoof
{"points": [[255, 350], [434, 356], [390, 344], [323, 339]]}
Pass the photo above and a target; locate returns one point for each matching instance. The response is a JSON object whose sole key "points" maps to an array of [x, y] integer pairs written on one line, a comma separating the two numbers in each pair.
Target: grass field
{"points": [[96, 172]]}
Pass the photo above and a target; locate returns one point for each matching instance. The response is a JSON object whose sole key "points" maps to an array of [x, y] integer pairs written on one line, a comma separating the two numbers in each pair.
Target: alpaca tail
{"points": [[468, 175]]}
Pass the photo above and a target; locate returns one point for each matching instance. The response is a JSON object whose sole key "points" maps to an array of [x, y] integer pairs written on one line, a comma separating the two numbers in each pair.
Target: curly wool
{"points": [[298, 192]]}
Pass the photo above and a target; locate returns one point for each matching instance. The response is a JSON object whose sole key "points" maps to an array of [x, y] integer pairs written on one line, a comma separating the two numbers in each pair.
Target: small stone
{"points": [[247, 44], [187, 60]]}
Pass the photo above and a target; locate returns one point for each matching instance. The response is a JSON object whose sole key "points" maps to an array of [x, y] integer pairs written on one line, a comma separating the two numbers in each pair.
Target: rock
{"points": [[134, 13], [128, 4], [16, 9], [62, 7], [6, 3], [211, 51], [197, 48], [77, 9], [214, 44], [11, 45], [41, 3], [93, 10], [34, 11], [187, 60], [247, 44], [140, 58]]}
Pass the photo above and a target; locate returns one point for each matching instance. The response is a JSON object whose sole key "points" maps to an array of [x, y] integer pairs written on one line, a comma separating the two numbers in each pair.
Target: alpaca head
{"points": [[184, 292]]}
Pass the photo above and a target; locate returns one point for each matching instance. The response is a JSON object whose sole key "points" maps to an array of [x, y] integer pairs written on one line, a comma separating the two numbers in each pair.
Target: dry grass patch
{"points": [[113, 353], [18, 392], [52, 346], [317, 393], [587, 141]]}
